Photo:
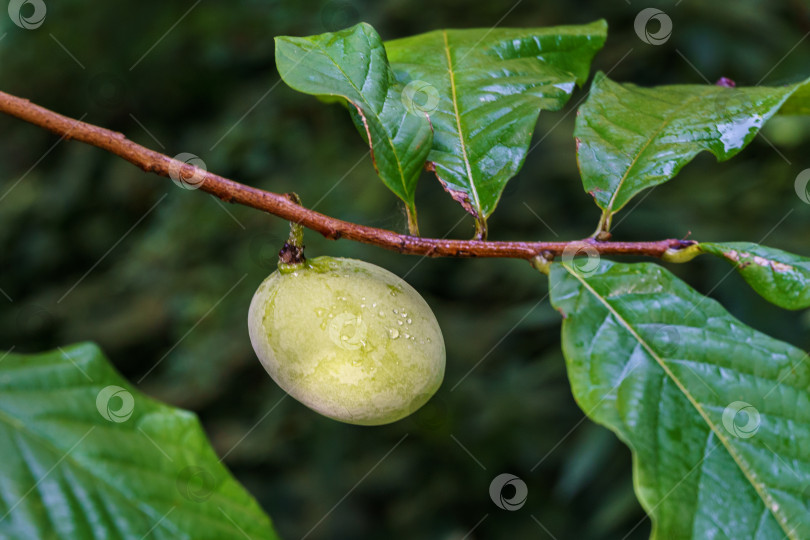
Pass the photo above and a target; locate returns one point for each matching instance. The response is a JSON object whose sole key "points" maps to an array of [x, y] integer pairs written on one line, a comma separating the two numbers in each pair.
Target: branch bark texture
{"points": [[282, 206]]}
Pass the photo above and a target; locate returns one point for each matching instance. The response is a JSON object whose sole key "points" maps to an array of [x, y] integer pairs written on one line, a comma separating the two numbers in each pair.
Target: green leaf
{"points": [[85, 455], [717, 414], [631, 138], [798, 103], [780, 277], [351, 65], [484, 89]]}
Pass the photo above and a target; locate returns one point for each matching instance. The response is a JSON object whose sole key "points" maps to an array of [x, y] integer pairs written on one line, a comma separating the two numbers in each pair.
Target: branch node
{"points": [[683, 251], [541, 263], [293, 198]]}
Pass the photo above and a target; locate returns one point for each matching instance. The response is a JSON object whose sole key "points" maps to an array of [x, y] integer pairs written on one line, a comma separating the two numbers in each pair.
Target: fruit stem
{"points": [[292, 254]]}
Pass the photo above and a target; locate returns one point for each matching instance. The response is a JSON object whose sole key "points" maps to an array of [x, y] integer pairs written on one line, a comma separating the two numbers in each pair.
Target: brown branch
{"points": [[282, 206]]}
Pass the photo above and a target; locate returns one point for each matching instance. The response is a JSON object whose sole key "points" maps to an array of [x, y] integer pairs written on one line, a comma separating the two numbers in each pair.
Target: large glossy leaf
{"points": [[778, 276], [717, 414], [489, 85], [351, 65], [84, 455], [631, 138]]}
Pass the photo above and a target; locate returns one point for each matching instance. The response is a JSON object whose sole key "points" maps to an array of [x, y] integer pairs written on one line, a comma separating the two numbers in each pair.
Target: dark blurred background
{"points": [[92, 248]]}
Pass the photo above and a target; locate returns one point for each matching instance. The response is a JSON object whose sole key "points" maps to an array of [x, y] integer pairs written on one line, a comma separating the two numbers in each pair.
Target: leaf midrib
{"points": [[463, 144], [359, 110], [781, 519], [646, 145], [21, 427]]}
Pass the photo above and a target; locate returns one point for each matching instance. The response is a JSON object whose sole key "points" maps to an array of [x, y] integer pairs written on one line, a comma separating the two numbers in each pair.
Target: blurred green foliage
{"points": [[167, 296]]}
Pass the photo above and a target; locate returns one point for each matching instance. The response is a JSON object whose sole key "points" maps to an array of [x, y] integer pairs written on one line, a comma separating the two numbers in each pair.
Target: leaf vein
{"points": [[761, 490]]}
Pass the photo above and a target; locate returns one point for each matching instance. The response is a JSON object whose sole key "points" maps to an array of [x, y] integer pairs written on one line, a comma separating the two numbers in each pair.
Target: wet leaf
{"points": [[717, 414], [780, 277], [85, 455], [351, 65], [483, 89], [631, 138]]}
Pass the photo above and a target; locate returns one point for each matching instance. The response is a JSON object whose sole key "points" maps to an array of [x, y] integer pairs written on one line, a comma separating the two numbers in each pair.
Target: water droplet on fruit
{"points": [[349, 342]]}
